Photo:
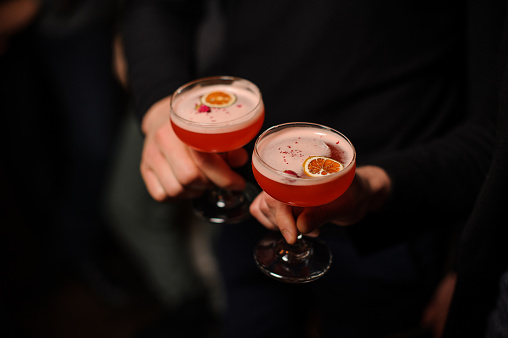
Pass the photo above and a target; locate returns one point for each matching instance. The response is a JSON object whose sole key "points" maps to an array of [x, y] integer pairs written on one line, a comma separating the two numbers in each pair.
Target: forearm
{"points": [[439, 181], [443, 177]]}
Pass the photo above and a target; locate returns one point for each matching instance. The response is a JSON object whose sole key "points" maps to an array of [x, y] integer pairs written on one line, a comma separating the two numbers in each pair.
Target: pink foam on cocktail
{"points": [[280, 152], [217, 129], [290, 149], [229, 118], [286, 150]]}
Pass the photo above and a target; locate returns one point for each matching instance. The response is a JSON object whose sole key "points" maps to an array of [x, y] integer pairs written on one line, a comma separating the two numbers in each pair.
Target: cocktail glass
{"points": [[278, 166], [216, 115]]}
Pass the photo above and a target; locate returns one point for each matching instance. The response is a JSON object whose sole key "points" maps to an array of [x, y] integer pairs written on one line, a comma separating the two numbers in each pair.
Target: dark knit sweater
{"points": [[412, 84], [480, 303], [390, 75]]}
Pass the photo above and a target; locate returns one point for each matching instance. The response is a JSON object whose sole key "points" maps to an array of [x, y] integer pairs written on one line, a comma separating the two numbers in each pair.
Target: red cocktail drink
{"points": [[217, 116], [279, 157], [305, 195], [220, 142], [305, 165]]}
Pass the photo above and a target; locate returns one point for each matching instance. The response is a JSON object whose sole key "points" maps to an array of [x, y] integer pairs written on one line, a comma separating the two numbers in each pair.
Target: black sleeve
{"points": [[479, 306], [159, 41], [442, 178]]}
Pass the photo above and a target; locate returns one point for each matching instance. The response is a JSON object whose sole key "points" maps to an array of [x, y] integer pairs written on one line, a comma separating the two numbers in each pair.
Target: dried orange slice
{"points": [[218, 99], [317, 166]]}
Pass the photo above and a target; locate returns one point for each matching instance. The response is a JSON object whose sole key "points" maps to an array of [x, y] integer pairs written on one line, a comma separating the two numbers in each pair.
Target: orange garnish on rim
{"points": [[218, 99], [317, 166]]}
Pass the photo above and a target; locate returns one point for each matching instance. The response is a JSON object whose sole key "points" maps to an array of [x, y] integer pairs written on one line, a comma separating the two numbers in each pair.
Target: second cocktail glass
{"points": [[303, 165], [217, 115]]}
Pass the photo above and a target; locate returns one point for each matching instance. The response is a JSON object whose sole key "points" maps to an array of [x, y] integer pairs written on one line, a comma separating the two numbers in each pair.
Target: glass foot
{"points": [[303, 262], [225, 206]]}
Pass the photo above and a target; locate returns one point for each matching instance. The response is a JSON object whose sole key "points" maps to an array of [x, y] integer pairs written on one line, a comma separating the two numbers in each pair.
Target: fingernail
{"points": [[287, 236]]}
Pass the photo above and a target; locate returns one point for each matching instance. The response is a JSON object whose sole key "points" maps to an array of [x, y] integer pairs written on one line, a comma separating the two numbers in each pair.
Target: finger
{"points": [[286, 223], [152, 167], [311, 219], [180, 161], [152, 184], [176, 190], [160, 180], [157, 170], [306, 226], [314, 233], [217, 170], [261, 212]]}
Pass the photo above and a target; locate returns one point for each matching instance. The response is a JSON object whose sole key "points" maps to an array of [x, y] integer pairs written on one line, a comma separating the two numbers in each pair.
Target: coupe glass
{"points": [[278, 165], [215, 115]]}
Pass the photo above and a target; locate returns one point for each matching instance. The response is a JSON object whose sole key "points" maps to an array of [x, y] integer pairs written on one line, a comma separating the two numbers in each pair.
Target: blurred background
{"points": [[66, 271]]}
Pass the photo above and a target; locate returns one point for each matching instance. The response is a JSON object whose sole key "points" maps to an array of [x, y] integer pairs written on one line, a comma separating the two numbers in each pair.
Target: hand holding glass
{"points": [[305, 165], [216, 115]]}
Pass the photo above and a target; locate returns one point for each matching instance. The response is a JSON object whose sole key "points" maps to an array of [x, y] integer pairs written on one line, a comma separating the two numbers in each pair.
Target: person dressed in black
{"points": [[479, 305], [479, 301], [391, 76]]}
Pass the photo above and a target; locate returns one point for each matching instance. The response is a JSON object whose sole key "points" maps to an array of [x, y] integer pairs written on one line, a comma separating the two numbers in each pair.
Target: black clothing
{"points": [[480, 303], [390, 75], [483, 255]]}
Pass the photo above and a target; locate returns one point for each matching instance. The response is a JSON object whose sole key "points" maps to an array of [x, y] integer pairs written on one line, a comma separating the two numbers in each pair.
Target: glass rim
{"points": [[302, 124], [215, 80]]}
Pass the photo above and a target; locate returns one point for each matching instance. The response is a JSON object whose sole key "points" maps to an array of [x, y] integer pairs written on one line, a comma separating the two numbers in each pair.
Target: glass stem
{"points": [[295, 253], [226, 199]]}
